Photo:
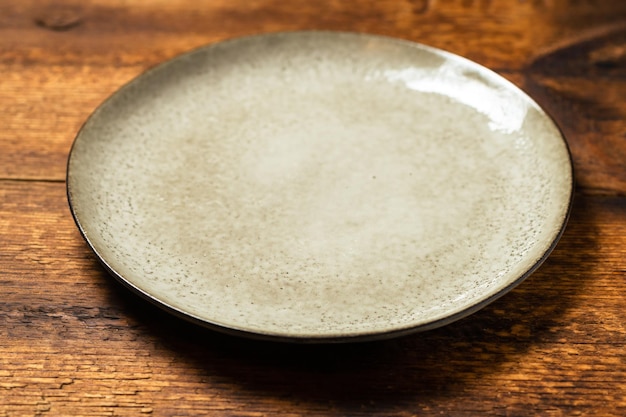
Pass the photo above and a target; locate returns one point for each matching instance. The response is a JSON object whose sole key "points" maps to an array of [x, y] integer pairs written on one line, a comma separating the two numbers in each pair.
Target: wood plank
{"points": [[581, 83], [54, 76], [74, 342], [42, 110], [494, 33]]}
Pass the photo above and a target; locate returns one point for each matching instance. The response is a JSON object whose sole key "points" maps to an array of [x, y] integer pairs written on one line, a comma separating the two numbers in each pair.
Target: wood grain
{"points": [[75, 342], [62, 73], [582, 83]]}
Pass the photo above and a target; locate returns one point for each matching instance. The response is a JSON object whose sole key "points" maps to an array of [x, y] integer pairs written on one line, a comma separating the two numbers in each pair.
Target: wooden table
{"points": [[74, 342]]}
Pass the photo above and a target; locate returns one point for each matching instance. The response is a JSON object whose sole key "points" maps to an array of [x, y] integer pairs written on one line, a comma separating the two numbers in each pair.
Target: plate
{"points": [[320, 186]]}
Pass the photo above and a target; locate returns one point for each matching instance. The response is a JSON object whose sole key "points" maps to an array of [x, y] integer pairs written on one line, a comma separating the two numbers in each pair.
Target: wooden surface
{"points": [[74, 342]]}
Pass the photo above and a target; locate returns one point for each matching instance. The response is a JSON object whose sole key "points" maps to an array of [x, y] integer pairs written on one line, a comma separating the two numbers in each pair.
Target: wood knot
{"points": [[59, 19]]}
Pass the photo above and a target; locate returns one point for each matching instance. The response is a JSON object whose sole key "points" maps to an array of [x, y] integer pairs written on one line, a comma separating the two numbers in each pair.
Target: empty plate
{"points": [[320, 186]]}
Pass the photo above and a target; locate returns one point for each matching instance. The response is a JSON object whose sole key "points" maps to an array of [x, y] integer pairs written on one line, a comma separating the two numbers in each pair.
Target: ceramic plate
{"points": [[320, 186]]}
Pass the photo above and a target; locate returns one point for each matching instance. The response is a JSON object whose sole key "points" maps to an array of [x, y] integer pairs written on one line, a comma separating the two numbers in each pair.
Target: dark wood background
{"points": [[74, 342]]}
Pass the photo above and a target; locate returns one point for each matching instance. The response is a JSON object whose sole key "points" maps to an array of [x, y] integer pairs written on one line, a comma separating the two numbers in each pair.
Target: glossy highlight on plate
{"points": [[320, 186]]}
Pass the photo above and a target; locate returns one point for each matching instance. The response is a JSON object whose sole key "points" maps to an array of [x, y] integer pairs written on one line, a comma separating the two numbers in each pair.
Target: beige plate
{"points": [[320, 186]]}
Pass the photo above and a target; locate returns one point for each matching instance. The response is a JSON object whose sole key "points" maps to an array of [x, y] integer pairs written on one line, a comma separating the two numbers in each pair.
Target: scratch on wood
{"points": [[603, 35], [65, 382]]}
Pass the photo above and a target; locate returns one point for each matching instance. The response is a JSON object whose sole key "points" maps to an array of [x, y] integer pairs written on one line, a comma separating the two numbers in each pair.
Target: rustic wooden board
{"points": [[75, 342]]}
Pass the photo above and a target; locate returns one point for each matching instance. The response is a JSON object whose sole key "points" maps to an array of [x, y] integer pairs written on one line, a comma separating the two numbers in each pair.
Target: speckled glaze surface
{"points": [[320, 186]]}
